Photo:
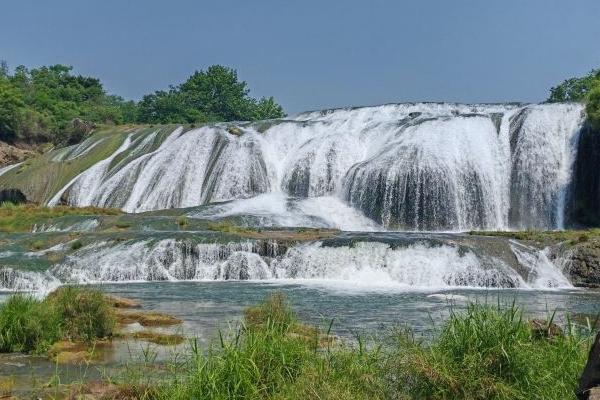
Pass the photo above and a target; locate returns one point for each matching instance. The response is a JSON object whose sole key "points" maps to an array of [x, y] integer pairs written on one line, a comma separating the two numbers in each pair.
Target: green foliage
{"points": [[490, 353], [482, 353], [84, 314], [28, 324], [592, 107], [207, 96], [42, 104], [22, 217], [574, 89], [585, 89]]}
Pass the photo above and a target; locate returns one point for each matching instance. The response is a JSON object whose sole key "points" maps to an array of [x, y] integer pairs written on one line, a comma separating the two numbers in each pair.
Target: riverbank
{"points": [[481, 353]]}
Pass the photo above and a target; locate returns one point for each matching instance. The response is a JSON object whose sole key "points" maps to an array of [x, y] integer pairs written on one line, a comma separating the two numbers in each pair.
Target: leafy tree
{"points": [[212, 95], [585, 89], [12, 109], [574, 89], [267, 108], [593, 106], [50, 103]]}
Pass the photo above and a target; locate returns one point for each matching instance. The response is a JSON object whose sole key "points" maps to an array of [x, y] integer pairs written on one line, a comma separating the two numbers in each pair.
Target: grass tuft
{"points": [[21, 218], [30, 325]]}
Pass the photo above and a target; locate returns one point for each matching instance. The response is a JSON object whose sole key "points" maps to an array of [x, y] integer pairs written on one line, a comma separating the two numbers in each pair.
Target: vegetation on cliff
{"points": [[21, 218], [585, 89], [51, 104]]}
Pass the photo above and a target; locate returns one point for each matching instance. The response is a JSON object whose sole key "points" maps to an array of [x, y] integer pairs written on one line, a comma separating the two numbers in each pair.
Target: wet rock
{"points": [[589, 383], [582, 263], [13, 196], [122, 302], [543, 329], [147, 318], [162, 339], [236, 131]]}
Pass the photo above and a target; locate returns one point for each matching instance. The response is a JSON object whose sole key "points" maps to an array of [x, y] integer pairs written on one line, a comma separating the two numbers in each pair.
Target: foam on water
{"points": [[277, 209]]}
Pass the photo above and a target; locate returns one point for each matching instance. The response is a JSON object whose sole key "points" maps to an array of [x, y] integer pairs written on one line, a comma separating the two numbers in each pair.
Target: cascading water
{"points": [[423, 166], [427, 263]]}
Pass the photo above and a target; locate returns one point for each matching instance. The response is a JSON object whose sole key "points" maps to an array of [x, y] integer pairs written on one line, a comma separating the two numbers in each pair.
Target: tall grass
{"points": [[490, 353], [482, 353], [28, 324]]}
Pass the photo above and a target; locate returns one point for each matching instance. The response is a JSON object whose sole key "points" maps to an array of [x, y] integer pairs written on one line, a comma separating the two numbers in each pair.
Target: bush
{"points": [[69, 313], [489, 353], [85, 315], [25, 325], [593, 106]]}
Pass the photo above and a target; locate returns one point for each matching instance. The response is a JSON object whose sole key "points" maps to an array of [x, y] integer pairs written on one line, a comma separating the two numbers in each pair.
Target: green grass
{"points": [[69, 313], [482, 353], [570, 236], [182, 221], [490, 353], [21, 218]]}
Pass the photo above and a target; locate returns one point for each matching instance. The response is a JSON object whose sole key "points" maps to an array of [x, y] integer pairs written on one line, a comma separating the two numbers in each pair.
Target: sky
{"points": [[315, 54]]}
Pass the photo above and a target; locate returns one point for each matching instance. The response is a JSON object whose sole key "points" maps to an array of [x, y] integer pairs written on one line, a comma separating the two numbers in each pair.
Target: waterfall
{"points": [[424, 263], [416, 166]]}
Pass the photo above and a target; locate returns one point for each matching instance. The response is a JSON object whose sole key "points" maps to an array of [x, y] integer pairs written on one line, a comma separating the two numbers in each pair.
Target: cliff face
{"points": [[580, 262], [584, 199], [10, 154]]}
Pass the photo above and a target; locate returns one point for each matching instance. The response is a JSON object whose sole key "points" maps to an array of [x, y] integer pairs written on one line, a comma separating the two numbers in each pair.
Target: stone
{"points": [[541, 329], [234, 130], [589, 382], [122, 302], [14, 196]]}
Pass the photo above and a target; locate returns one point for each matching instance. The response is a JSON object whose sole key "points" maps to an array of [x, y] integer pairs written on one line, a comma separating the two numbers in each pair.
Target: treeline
{"points": [[584, 89], [51, 104]]}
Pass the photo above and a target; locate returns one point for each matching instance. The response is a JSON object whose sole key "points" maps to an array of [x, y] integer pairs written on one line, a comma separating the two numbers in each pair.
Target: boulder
{"points": [[582, 264], [589, 383], [13, 196]]}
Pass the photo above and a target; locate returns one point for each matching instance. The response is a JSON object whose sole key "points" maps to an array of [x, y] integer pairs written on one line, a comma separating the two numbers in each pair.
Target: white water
{"points": [[363, 265], [7, 168], [276, 209], [405, 166]]}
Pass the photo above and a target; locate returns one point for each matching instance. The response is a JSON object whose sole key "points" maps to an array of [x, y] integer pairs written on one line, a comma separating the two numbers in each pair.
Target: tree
{"points": [[574, 89], [267, 108], [207, 96], [11, 110], [592, 107]]}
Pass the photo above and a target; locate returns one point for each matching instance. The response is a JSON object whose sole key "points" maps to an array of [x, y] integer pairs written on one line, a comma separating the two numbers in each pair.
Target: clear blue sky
{"points": [[315, 54]]}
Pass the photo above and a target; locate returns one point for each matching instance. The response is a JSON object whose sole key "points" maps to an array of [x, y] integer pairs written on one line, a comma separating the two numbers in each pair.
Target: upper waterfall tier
{"points": [[422, 166]]}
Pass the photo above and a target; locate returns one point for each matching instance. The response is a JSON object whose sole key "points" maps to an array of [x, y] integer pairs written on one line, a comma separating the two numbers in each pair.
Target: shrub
{"points": [[69, 313], [182, 221], [84, 314], [489, 353], [25, 325]]}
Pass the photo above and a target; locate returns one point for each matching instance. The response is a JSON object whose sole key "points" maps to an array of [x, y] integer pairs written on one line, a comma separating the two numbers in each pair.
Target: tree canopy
{"points": [[40, 104], [208, 96], [584, 89]]}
